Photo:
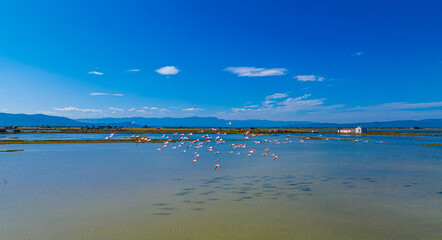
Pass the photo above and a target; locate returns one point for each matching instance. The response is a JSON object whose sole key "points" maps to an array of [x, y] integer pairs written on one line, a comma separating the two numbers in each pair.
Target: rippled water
{"points": [[315, 190]]}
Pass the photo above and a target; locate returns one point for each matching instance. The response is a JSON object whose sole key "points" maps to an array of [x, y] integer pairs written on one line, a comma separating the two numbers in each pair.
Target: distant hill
{"points": [[34, 120], [7, 119]]}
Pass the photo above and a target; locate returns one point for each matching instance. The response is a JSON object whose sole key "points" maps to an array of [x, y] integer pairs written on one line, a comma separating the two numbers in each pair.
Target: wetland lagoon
{"points": [[386, 188]]}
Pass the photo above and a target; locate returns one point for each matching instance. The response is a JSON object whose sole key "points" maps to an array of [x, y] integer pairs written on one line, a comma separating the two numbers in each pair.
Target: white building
{"points": [[360, 130], [346, 130], [357, 130]]}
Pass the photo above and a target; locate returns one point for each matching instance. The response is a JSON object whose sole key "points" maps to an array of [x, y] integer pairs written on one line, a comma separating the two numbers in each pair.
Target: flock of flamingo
{"points": [[206, 140]]}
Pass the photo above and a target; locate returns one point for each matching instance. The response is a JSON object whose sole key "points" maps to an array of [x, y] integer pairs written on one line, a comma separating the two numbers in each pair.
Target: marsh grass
{"points": [[12, 150]]}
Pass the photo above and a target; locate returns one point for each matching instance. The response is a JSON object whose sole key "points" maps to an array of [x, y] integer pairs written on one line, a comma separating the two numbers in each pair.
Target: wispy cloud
{"points": [[400, 106], [47, 112], [256, 72], [3, 109], [69, 109], [168, 70], [193, 109], [134, 70], [151, 108], [136, 110], [115, 109], [305, 108], [358, 53], [106, 94], [277, 95], [95, 73], [309, 78]]}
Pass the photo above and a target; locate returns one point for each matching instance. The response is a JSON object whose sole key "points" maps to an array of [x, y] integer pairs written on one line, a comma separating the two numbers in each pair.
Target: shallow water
{"points": [[315, 190]]}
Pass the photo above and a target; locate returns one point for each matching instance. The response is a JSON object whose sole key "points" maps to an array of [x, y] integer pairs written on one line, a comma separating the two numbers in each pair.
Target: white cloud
{"points": [[168, 70], [66, 109], [164, 110], [136, 110], [96, 73], [47, 112], [303, 108], [278, 107], [292, 100], [358, 53], [115, 109], [309, 78], [192, 109], [256, 72], [277, 95], [133, 70], [400, 106], [151, 108], [106, 94], [3, 109]]}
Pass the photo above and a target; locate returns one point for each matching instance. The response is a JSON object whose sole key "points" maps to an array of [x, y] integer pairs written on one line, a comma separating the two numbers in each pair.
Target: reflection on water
{"points": [[315, 190]]}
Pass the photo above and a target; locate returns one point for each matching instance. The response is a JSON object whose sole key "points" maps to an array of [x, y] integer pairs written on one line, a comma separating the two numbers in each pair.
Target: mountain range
{"points": [[34, 120]]}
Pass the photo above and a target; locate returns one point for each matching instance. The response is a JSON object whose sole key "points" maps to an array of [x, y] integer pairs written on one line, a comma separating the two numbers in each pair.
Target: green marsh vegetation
{"points": [[431, 144], [265, 131], [12, 150]]}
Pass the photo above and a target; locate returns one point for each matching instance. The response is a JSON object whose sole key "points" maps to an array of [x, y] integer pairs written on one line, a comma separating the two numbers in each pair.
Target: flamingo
{"points": [[229, 123], [109, 136], [275, 157], [194, 160], [217, 165]]}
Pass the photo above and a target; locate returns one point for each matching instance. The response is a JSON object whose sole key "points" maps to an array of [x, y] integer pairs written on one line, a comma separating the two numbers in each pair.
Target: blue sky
{"points": [[324, 61]]}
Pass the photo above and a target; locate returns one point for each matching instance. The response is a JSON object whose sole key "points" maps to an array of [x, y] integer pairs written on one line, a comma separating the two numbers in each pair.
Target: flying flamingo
{"points": [[217, 165], [109, 136]]}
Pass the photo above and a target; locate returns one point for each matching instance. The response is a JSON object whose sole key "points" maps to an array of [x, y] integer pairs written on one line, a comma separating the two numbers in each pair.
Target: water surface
{"points": [[315, 190]]}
